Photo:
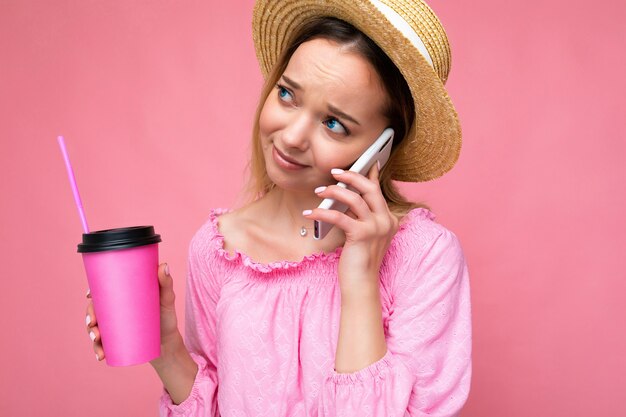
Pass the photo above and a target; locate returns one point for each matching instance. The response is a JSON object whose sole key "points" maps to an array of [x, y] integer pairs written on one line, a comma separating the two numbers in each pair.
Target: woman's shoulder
{"points": [[423, 249], [208, 237], [235, 224], [419, 230], [418, 219]]}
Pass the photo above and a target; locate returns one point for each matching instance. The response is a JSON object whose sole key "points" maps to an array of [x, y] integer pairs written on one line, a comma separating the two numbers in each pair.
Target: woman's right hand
{"points": [[170, 335]]}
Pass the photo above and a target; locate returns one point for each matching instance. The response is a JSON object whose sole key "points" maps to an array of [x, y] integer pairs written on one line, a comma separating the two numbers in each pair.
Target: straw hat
{"points": [[411, 35]]}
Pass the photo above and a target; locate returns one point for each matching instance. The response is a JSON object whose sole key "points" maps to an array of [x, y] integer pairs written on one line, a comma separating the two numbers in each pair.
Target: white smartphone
{"points": [[379, 151]]}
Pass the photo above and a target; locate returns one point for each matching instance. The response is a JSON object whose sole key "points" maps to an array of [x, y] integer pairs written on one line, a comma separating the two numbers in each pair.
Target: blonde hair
{"points": [[399, 111]]}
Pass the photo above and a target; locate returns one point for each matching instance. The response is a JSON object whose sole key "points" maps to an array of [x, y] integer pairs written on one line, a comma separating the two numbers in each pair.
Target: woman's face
{"points": [[326, 109]]}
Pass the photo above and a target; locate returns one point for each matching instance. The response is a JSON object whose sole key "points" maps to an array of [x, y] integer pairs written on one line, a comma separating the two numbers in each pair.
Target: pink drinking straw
{"points": [[70, 174]]}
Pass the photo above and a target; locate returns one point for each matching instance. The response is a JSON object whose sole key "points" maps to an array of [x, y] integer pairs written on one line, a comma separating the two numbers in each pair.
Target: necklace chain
{"points": [[304, 230]]}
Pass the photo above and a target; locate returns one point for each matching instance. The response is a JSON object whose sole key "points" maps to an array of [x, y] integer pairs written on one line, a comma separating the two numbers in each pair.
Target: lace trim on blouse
{"points": [[242, 258]]}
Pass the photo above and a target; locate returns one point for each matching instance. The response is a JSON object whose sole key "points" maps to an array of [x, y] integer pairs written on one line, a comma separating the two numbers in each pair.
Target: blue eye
{"points": [[335, 126], [284, 94]]}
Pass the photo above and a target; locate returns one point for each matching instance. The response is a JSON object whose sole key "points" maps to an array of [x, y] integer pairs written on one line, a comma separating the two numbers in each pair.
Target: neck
{"points": [[286, 208], [281, 213]]}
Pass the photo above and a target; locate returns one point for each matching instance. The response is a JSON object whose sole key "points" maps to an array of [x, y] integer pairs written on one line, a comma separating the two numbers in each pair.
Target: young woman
{"points": [[374, 319]]}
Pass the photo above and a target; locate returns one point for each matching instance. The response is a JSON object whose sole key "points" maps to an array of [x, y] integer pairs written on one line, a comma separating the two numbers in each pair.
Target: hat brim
{"points": [[433, 144]]}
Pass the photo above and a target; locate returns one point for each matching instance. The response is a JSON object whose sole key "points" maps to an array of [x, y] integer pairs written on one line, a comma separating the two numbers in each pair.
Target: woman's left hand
{"points": [[368, 224]]}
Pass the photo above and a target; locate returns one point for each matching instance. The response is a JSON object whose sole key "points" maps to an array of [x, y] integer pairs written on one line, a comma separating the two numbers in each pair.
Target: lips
{"points": [[287, 159]]}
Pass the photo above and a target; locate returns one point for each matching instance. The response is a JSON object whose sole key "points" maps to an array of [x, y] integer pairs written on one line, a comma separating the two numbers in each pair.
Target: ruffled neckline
{"points": [[324, 257]]}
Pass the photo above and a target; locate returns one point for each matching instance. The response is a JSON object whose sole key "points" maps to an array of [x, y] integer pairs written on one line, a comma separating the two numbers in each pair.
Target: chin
{"points": [[291, 183]]}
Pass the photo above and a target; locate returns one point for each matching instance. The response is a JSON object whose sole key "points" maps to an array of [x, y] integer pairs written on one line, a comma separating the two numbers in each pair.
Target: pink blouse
{"points": [[264, 335]]}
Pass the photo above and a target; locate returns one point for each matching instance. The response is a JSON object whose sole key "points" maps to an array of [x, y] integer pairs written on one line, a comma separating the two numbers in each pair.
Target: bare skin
{"points": [[326, 110]]}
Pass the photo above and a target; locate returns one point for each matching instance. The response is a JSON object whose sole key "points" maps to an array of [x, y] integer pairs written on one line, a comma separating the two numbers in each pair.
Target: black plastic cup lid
{"points": [[121, 238]]}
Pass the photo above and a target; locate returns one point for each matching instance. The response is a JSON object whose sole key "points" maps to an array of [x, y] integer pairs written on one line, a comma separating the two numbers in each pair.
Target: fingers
{"points": [[94, 331], [370, 199], [341, 220], [169, 321], [94, 335], [374, 172], [167, 286], [90, 320], [367, 214], [353, 200]]}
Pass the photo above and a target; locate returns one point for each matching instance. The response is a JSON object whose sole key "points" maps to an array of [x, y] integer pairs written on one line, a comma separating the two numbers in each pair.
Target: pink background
{"points": [[156, 98]]}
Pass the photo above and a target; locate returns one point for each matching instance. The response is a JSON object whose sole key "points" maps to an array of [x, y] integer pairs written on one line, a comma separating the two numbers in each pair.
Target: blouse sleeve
{"points": [[202, 293], [427, 368]]}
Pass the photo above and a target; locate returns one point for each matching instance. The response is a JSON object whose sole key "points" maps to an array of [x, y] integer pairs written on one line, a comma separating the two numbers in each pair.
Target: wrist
{"points": [[172, 350], [176, 369], [360, 293]]}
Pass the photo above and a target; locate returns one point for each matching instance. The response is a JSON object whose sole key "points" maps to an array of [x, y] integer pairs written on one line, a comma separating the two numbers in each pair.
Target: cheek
{"points": [[269, 117], [348, 156], [331, 156]]}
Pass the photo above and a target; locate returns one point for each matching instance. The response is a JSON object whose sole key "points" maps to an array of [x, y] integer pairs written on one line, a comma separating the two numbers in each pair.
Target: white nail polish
{"points": [[319, 189], [97, 357], [92, 335], [87, 320]]}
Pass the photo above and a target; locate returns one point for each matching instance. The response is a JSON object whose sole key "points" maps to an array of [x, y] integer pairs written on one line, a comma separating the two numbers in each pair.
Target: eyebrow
{"points": [[332, 108], [343, 115], [294, 84]]}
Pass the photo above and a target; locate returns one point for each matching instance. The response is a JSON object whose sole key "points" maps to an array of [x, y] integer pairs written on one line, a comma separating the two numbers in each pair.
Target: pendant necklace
{"points": [[304, 231]]}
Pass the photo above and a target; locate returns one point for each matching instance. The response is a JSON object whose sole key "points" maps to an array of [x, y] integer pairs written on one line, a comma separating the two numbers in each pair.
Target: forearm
{"points": [[361, 339], [176, 369]]}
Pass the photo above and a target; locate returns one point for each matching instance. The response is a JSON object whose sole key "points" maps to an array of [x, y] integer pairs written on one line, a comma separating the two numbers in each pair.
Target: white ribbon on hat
{"points": [[399, 23]]}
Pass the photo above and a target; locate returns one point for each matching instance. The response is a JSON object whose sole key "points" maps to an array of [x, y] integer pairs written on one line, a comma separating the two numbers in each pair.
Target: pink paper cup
{"points": [[121, 266]]}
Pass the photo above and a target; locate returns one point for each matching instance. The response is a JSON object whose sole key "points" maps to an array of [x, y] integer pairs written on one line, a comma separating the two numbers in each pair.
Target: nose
{"points": [[296, 131]]}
